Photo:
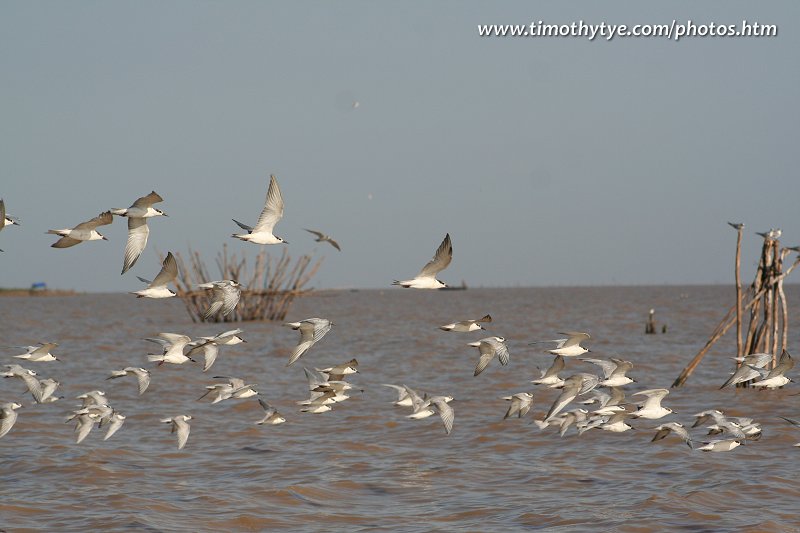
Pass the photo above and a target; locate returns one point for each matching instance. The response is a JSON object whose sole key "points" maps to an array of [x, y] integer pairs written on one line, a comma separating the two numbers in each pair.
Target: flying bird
{"points": [[209, 346], [38, 354], [520, 404], [673, 427], [426, 279], [321, 237], [142, 376], [651, 408], [158, 287], [8, 416], [180, 425], [271, 415], [270, 215], [466, 325], [311, 331], [137, 214], [571, 346], [6, 220], [84, 231], [489, 347], [173, 345], [225, 295]]}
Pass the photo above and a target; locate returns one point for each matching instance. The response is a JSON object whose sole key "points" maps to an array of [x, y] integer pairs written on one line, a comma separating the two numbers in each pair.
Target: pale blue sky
{"points": [[550, 161]]}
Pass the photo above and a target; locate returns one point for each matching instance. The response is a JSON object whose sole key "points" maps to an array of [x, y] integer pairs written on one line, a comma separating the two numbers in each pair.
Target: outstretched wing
{"points": [[442, 258], [137, 240], [273, 207]]}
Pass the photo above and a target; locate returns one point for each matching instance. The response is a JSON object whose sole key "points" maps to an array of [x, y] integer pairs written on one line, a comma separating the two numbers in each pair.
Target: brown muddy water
{"points": [[364, 466]]}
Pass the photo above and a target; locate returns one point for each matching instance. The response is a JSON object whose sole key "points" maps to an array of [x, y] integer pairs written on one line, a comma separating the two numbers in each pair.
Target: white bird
{"points": [[338, 372], [616, 423], [520, 404], [673, 427], [115, 422], [137, 214], [270, 215], [28, 377], [271, 415], [5, 220], [84, 424], [142, 376], [489, 347], [180, 425], [749, 368], [158, 287], [569, 347], [173, 345], [92, 398], [224, 296], [48, 388], [466, 325], [426, 279], [613, 371], [550, 377], [84, 231], [321, 237], [425, 407], [574, 386], [652, 409], [311, 331], [722, 445], [772, 234], [403, 398], [209, 346], [8, 416], [775, 378], [38, 354]]}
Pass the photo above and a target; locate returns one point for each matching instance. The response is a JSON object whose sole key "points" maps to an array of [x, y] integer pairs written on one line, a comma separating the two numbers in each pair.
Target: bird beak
{"points": [[105, 238]]}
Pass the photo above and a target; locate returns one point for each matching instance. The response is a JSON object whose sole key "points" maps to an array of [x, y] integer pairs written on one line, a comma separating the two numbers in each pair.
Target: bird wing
{"points": [[487, 318], [2, 214], [230, 297], [784, 365], [321, 327], [210, 352], [334, 243], [568, 393], [574, 338], [146, 201], [142, 379], [442, 258], [446, 412], [7, 417], [243, 226], [556, 367], [607, 366], [102, 219], [168, 273], [416, 400], [65, 242], [273, 207], [182, 428], [319, 234], [483, 362], [137, 239]]}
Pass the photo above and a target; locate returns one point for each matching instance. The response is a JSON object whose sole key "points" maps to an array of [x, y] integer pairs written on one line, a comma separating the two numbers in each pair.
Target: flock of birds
{"points": [[598, 400]]}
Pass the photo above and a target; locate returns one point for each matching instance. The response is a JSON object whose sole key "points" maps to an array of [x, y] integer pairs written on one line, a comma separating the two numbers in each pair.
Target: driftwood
{"points": [[267, 292], [769, 325]]}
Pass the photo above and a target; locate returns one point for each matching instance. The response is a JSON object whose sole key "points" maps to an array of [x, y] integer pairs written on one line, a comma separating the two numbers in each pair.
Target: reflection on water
{"points": [[364, 465]]}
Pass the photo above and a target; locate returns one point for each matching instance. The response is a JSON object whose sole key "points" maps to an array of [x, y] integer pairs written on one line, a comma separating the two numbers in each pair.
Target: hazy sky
{"points": [[551, 161]]}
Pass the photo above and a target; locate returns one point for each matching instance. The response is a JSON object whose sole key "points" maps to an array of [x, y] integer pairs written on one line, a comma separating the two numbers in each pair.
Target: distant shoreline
{"points": [[37, 292]]}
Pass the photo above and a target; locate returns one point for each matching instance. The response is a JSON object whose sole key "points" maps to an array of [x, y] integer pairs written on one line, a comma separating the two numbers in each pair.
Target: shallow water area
{"points": [[364, 465]]}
